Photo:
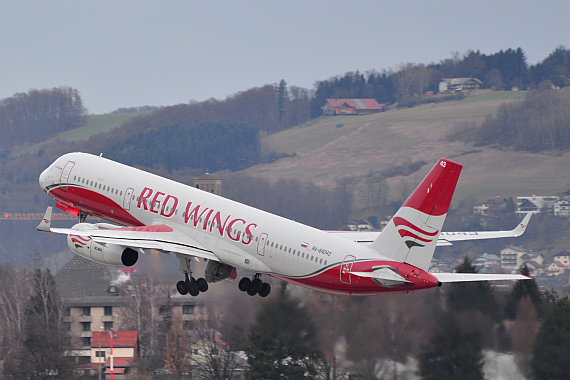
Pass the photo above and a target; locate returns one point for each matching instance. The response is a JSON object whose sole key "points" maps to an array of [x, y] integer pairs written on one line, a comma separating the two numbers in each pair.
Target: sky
{"points": [[132, 53]]}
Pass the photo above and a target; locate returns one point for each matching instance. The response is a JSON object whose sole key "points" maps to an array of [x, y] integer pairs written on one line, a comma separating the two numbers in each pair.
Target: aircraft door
{"points": [[128, 198], [345, 269], [64, 179], [261, 244]]}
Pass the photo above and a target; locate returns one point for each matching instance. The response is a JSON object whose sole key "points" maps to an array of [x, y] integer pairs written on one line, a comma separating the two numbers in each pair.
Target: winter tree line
{"points": [[297, 333], [39, 114], [540, 122]]}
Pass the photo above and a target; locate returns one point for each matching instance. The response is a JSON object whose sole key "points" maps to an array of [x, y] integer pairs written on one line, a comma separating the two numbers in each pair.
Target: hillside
{"points": [[329, 148], [96, 124]]}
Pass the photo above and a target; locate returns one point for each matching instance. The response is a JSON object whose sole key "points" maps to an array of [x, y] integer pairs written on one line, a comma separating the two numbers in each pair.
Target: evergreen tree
{"points": [[452, 353], [283, 341], [281, 99], [552, 344], [524, 288], [471, 296]]}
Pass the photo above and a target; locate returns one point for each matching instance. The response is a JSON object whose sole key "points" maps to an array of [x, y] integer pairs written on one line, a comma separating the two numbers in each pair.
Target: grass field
{"points": [[323, 151], [95, 124]]}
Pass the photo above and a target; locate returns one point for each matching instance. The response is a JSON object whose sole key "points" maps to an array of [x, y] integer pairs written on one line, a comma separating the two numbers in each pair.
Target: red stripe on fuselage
{"points": [[329, 280], [95, 204]]}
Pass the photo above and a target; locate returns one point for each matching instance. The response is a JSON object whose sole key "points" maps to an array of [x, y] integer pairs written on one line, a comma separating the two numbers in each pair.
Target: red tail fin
{"points": [[411, 236], [433, 195]]}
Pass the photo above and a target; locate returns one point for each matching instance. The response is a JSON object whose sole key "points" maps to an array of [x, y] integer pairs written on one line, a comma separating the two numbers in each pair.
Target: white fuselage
{"points": [[238, 235]]}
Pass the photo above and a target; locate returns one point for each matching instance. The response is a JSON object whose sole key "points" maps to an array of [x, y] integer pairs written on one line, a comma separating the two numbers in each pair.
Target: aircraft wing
{"points": [[445, 238], [160, 237]]}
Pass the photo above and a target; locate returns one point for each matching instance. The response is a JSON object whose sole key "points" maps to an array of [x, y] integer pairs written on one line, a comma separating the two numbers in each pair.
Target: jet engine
{"points": [[109, 254]]}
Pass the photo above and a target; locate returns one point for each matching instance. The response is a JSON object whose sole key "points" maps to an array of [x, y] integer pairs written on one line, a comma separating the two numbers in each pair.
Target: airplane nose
{"points": [[46, 179]]}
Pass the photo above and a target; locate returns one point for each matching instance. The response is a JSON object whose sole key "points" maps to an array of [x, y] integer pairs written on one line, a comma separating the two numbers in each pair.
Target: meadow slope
{"points": [[329, 148]]}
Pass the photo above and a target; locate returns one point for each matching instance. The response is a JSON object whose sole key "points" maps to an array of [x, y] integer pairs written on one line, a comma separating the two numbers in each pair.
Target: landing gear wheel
{"points": [[202, 284], [182, 287], [244, 284], [193, 288], [256, 285], [265, 290]]}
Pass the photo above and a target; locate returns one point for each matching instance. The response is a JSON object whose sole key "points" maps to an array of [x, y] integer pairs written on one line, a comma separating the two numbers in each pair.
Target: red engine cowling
{"points": [[109, 254]]}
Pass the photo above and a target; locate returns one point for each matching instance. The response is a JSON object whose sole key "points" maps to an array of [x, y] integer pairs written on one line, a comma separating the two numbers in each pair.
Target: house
{"points": [[124, 350], [459, 84], [352, 107], [365, 225], [555, 269], [511, 258], [562, 208], [534, 268], [563, 258], [535, 204], [482, 209]]}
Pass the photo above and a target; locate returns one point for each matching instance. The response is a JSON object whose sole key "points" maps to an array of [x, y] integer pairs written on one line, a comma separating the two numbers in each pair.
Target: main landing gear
{"points": [[191, 285], [255, 286]]}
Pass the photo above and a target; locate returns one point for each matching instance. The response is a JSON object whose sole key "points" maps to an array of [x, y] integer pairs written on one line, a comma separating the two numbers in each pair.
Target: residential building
{"points": [[459, 84], [124, 346], [95, 294], [535, 204], [352, 107], [563, 258], [511, 258], [555, 269], [562, 208]]}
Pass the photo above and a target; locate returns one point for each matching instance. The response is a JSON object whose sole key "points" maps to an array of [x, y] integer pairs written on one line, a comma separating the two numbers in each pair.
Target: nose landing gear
{"points": [[255, 286]]}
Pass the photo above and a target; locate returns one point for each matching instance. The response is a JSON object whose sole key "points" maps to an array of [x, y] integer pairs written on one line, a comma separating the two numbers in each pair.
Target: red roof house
{"points": [[124, 344], [352, 106]]}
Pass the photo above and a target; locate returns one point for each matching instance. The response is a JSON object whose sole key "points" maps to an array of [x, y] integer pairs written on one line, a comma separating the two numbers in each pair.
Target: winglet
{"points": [[45, 224], [521, 228]]}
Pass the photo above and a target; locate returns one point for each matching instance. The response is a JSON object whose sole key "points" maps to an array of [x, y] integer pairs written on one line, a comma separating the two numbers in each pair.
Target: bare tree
{"points": [[212, 357], [15, 292], [177, 347], [43, 350], [144, 298]]}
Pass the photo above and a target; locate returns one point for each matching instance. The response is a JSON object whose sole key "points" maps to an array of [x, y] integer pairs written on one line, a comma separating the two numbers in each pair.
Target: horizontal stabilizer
{"points": [[469, 277], [384, 276]]}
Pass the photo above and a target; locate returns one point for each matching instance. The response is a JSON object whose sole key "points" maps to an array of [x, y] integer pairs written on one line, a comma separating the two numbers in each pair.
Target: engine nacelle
{"points": [[109, 254]]}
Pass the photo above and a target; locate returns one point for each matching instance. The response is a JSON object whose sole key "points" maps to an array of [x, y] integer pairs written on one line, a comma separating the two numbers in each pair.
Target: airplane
{"points": [[152, 212]]}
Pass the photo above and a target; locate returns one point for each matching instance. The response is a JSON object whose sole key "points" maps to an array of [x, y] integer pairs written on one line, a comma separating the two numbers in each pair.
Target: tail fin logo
{"points": [[412, 234]]}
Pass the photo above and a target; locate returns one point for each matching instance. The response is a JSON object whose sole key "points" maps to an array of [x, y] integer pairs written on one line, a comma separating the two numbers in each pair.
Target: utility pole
{"points": [[99, 353]]}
